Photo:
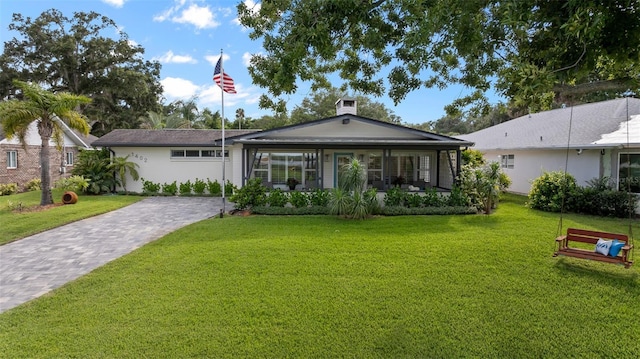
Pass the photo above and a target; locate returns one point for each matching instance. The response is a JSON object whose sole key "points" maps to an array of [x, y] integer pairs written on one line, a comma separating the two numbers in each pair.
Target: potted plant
{"points": [[292, 183]]}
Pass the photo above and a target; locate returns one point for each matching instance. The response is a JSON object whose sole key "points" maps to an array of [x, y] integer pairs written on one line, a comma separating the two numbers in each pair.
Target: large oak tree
{"points": [[79, 55], [533, 52]]}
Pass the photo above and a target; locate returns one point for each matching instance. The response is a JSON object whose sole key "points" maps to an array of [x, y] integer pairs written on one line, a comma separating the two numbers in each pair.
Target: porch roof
{"points": [[350, 143]]}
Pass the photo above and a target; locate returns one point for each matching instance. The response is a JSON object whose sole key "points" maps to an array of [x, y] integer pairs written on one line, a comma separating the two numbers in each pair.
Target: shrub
{"points": [[214, 188], [483, 185], [185, 188], [72, 183], [170, 188], [550, 190], [298, 199], [472, 157], [404, 211], [601, 199], [199, 186], [280, 211], [150, 187], [229, 188], [14, 206], [457, 198], [395, 197], [8, 189], [33, 185], [250, 195], [413, 200], [319, 197], [94, 166], [431, 198], [277, 198]]}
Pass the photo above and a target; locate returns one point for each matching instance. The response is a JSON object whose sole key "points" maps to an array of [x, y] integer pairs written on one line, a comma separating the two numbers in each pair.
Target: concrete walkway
{"points": [[40, 263]]}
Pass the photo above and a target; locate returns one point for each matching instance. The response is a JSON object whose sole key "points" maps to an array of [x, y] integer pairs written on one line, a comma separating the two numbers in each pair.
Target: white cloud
{"points": [[170, 11], [199, 16], [178, 89], [213, 59], [116, 3], [171, 58]]}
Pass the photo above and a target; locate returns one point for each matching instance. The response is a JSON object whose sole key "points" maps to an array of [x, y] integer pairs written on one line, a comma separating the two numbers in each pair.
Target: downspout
{"points": [[111, 156]]}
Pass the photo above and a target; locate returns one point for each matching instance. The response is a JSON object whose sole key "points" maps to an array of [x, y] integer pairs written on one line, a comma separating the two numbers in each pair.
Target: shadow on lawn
{"points": [[626, 279]]}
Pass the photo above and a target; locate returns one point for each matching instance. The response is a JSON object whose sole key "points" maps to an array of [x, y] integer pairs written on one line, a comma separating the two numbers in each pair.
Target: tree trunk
{"points": [[45, 130]]}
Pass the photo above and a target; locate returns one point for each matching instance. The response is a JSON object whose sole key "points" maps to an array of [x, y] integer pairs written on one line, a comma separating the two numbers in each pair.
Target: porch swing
{"points": [[615, 248]]}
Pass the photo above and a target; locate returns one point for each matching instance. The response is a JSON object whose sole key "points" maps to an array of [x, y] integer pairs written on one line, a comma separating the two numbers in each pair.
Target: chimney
{"points": [[346, 105]]}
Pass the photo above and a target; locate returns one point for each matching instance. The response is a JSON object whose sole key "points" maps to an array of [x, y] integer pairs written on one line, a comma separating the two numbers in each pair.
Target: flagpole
{"points": [[224, 203]]}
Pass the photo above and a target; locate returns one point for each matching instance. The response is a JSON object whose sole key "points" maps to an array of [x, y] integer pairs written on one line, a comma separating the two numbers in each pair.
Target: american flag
{"points": [[223, 80]]}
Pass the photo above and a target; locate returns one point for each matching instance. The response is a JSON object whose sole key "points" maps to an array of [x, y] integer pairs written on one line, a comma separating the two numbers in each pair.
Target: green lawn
{"points": [[19, 224], [319, 286]]}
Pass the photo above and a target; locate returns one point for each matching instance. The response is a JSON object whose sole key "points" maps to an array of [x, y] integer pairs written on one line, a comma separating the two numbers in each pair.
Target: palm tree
{"points": [[121, 166], [47, 109]]}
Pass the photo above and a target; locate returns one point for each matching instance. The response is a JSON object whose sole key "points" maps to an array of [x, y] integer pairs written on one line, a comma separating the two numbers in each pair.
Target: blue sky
{"points": [[186, 37]]}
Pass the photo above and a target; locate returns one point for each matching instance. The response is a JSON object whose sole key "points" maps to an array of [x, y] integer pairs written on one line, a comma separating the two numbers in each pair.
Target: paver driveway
{"points": [[40, 263]]}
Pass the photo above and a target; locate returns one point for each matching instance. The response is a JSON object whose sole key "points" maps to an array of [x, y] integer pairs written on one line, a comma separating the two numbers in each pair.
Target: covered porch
{"points": [[305, 168]]}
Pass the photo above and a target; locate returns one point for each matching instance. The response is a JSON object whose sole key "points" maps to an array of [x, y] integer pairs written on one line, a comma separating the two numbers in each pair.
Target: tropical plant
{"points": [[351, 199], [94, 166], [72, 183], [48, 111], [484, 185], [121, 165]]}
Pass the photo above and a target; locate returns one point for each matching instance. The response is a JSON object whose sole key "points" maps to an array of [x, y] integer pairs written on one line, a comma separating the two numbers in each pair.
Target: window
{"points": [[424, 168], [69, 158], [629, 171], [12, 159], [191, 154], [507, 161], [277, 168]]}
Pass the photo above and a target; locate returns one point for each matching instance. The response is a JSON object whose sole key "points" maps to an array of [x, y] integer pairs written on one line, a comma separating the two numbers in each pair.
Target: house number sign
{"points": [[140, 157]]}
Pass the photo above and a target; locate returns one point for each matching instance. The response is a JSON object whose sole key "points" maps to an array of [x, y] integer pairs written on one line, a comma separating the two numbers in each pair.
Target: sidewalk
{"points": [[40, 263]]}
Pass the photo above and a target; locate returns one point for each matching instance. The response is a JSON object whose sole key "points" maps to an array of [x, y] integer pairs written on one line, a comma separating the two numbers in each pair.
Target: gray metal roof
{"points": [[550, 129], [166, 137]]}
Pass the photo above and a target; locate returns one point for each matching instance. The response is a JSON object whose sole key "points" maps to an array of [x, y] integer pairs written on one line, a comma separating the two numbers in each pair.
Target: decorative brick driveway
{"points": [[40, 263]]}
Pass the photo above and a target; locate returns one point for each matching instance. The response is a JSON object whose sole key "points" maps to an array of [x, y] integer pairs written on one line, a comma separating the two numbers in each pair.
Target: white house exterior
{"points": [[311, 152], [20, 165], [603, 139]]}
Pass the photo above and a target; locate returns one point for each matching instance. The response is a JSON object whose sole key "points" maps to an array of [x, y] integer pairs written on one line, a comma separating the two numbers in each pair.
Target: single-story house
{"points": [[20, 165], [601, 139], [312, 153]]}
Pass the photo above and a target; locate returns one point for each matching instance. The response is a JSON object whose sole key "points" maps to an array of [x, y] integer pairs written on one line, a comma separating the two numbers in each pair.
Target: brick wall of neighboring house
{"points": [[29, 164]]}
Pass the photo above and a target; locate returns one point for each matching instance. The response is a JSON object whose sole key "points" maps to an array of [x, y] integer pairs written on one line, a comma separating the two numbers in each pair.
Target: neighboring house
{"points": [[603, 140], [311, 153], [20, 166]]}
